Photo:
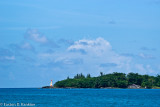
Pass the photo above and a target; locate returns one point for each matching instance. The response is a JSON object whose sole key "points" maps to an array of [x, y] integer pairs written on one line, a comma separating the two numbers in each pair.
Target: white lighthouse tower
{"points": [[51, 84]]}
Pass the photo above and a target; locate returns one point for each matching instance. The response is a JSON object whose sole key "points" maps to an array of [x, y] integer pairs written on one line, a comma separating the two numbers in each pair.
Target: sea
{"points": [[34, 97]]}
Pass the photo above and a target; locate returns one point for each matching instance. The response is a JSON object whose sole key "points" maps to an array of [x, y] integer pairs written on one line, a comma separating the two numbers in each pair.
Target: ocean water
{"points": [[80, 97]]}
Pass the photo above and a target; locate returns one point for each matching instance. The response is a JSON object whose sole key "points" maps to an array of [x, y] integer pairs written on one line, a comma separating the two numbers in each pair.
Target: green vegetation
{"points": [[114, 80]]}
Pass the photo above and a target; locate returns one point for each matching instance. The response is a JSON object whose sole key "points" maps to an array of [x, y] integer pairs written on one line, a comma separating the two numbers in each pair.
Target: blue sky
{"points": [[52, 39]]}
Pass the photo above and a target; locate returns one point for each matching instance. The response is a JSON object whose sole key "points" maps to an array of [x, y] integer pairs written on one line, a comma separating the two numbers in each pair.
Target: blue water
{"points": [[81, 97]]}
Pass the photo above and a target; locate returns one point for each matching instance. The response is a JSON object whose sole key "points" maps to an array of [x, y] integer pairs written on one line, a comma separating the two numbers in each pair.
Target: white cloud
{"points": [[140, 67], [6, 55], [33, 34], [27, 46], [146, 56], [98, 46], [9, 57], [98, 52], [22, 47], [36, 36], [144, 69], [99, 57]]}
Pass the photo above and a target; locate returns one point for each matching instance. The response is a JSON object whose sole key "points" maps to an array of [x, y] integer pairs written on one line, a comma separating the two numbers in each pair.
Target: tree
{"points": [[119, 80], [79, 76], [134, 78], [88, 76], [101, 73], [122, 84], [157, 80], [147, 84], [68, 77]]}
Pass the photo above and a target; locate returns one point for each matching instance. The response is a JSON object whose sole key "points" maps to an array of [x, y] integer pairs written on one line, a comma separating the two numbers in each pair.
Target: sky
{"points": [[43, 40]]}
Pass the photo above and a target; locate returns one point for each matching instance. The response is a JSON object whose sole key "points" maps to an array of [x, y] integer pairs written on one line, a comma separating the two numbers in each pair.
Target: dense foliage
{"points": [[114, 80]]}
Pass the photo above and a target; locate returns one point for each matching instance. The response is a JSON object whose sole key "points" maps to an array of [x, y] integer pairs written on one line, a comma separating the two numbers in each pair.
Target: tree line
{"points": [[114, 80]]}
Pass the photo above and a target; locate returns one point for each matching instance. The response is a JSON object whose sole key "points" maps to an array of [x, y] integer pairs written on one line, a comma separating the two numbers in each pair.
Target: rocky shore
{"points": [[48, 87]]}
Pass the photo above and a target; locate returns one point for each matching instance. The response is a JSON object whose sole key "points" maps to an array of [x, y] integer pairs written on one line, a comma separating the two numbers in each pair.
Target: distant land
{"points": [[113, 80]]}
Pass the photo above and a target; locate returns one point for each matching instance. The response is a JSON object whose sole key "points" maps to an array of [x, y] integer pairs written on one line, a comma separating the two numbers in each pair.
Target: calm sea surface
{"points": [[80, 97]]}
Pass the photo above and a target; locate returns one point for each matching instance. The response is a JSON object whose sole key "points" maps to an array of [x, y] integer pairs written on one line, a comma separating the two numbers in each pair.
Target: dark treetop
{"points": [[114, 80]]}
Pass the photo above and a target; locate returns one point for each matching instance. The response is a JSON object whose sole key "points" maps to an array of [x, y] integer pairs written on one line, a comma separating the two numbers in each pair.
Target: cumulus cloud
{"points": [[93, 56], [98, 56], [98, 46], [25, 46], [140, 55], [99, 50], [146, 56], [144, 69], [6, 55], [10, 57], [36, 36], [33, 34], [7, 58]]}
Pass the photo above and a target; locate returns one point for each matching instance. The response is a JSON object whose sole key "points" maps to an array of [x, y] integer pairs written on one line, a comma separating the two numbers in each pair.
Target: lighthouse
{"points": [[51, 83]]}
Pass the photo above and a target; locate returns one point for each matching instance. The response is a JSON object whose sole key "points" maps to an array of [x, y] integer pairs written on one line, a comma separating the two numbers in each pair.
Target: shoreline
{"points": [[76, 88], [48, 87]]}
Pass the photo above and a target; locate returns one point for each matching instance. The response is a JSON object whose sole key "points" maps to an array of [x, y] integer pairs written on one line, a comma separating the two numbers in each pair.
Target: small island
{"points": [[113, 80]]}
